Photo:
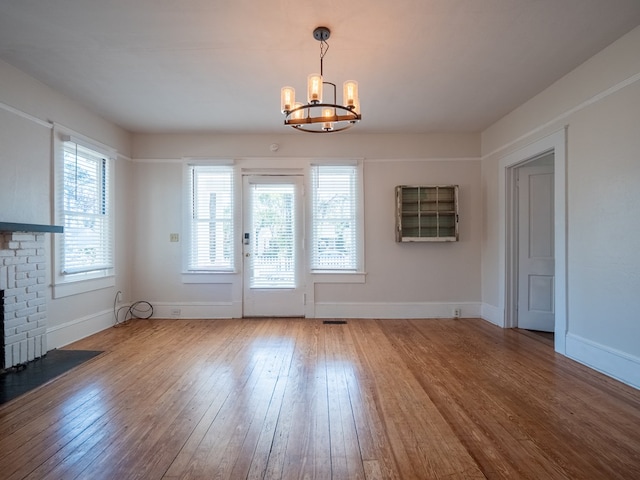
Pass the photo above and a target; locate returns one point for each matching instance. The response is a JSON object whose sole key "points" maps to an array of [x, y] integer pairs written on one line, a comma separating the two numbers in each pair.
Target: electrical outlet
{"points": [[457, 313], [174, 237], [175, 312], [119, 298]]}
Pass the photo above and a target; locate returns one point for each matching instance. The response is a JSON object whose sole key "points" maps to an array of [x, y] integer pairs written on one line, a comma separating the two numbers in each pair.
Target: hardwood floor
{"points": [[294, 398]]}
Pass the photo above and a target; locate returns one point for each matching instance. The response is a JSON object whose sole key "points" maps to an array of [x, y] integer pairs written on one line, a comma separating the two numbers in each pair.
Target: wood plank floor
{"points": [[295, 398]]}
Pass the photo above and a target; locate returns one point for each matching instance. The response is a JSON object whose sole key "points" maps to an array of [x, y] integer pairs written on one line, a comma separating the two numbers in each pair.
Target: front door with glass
{"points": [[272, 246]]}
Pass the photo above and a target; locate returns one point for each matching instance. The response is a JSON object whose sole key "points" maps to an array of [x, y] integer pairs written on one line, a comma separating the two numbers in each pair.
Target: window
{"points": [[336, 233], [210, 246], [83, 207]]}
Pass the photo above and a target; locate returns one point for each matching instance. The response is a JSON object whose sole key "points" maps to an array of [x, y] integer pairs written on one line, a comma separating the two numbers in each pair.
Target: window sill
{"points": [[76, 287]]}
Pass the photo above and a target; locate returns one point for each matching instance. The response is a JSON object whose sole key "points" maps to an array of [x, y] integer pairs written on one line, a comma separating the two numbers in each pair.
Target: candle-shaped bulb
{"points": [[327, 113], [314, 88], [350, 93], [287, 99], [298, 114]]}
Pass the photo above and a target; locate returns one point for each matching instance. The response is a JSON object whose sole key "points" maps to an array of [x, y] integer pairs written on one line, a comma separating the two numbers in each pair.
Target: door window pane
{"points": [[272, 232]]}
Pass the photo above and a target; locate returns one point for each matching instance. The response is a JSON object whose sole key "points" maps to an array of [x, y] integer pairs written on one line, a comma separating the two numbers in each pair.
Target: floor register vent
{"points": [[334, 322]]}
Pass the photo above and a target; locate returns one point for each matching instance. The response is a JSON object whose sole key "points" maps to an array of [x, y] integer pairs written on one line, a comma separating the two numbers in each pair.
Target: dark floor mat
{"points": [[16, 382]]}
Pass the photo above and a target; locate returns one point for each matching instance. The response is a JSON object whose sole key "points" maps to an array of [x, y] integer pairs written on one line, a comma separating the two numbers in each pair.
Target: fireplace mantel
{"points": [[30, 227]]}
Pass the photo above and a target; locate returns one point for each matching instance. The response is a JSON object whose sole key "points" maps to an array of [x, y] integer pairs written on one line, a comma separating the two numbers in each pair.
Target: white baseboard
{"points": [[79, 328], [74, 330], [194, 310], [611, 362], [492, 314], [396, 310], [323, 310]]}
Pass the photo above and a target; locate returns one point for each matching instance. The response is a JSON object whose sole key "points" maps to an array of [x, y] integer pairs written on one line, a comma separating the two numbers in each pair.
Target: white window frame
{"points": [[195, 274], [357, 274], [66, 283]]}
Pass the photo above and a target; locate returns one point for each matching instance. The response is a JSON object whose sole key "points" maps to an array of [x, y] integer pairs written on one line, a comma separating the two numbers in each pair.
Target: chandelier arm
{"points": [[348, 116], [335, 130], [335, 92], [309, 106]]}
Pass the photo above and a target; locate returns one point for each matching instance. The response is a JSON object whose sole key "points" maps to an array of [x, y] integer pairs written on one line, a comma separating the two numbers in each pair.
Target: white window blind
{"points": [[334, 224], [211, 245], [85, 210]]}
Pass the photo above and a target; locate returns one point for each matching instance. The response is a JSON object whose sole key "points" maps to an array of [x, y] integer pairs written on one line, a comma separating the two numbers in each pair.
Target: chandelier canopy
{"points": [[316, 116]]}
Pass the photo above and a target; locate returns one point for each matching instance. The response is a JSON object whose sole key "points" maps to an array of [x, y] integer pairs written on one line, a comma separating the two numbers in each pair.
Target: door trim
{"points": [[507, 271]]}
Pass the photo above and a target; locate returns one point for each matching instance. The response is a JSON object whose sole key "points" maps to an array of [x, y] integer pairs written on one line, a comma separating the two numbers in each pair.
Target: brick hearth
{"points": [[24, 304]]}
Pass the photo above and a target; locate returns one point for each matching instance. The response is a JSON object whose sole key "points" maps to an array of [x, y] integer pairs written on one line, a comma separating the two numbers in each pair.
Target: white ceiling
{"points": [[218, 65]]}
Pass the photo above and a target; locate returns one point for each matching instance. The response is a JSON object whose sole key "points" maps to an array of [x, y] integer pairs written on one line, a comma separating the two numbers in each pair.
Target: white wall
{"points": [[26, 171], [416, 272], [402, 280], [27, 112], [599, 104]]}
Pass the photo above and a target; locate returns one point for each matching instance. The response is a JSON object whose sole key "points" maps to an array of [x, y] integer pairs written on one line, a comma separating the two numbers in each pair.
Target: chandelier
{"points": [[316, 116]]}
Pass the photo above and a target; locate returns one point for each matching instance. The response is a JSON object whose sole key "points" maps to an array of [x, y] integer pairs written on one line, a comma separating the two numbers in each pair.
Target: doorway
{"points": [[506, 315], [272, 246]]}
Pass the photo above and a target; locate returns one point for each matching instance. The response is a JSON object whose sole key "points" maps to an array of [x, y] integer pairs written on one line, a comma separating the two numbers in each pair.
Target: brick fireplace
{"points": [[23, 292]]}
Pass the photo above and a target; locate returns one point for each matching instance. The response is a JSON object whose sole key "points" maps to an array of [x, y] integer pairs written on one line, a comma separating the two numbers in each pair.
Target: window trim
{"points": [[73, 283], [358, 274], [205, 276]]}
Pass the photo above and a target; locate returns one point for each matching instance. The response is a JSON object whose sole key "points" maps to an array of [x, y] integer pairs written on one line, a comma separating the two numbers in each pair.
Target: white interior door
{"points": [[272, 246], [536, 304]]}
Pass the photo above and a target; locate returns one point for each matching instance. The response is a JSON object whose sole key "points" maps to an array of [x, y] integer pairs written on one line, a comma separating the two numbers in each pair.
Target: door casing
{"points": [[507, 274]]}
